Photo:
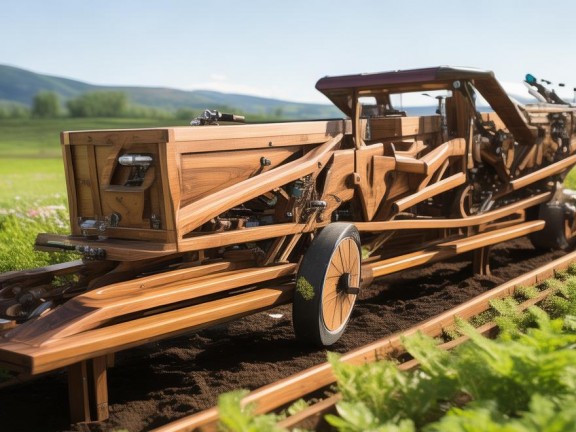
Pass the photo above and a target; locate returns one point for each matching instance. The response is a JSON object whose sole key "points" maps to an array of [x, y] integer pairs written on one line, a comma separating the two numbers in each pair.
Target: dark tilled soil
{"points": [[161, 382]]}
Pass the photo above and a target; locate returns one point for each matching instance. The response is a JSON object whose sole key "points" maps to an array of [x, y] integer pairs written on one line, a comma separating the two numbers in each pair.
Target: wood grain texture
{"points": [[73, 349], [192, 216]]}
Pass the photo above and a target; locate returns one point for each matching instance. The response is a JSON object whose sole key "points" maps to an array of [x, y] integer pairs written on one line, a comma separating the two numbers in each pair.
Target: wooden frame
{"points": [[180, 228]]}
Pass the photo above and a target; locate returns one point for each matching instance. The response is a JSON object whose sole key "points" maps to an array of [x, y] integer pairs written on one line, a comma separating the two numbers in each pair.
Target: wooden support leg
{"points": [[99, 387], [78, 393], [88, 390], [481, 261]]}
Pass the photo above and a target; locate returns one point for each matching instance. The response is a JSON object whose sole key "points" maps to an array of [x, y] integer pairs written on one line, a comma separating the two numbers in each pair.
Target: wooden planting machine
{"points": [[180, 228]]}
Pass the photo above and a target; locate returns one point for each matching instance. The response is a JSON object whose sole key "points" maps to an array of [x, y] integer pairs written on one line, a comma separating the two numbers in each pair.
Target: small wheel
{"points": [[463, 205], [327, 284], [557, 233]]}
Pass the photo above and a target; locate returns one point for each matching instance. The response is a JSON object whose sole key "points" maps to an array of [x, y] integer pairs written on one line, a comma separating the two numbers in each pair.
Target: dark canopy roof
{"points": [[340, 90]]}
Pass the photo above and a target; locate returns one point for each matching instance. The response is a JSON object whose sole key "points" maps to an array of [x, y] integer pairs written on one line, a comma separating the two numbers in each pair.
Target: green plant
{"points": [[235, 418], [525, 380]]}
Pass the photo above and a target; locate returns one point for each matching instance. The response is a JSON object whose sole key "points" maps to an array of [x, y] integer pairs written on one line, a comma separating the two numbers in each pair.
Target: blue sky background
{"points": [[281, 48]]}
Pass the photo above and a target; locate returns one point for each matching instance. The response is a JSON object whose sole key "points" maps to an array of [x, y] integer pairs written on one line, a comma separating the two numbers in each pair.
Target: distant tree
{"points": [[98, 104], [186, 114], [46, 105]]}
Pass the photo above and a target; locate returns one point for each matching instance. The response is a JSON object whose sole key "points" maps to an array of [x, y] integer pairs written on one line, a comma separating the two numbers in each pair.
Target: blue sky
{"points": [[281, 48]]}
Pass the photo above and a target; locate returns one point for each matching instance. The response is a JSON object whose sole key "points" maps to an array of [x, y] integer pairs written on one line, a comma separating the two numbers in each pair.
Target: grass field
{"points": [[40, 138]]}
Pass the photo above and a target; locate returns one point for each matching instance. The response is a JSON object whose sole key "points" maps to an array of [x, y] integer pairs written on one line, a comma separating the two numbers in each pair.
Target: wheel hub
{"points": [[344, 285]]}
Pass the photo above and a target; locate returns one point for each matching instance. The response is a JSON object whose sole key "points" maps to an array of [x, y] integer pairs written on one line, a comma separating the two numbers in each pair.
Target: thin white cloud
{"points": [[218, 77]]}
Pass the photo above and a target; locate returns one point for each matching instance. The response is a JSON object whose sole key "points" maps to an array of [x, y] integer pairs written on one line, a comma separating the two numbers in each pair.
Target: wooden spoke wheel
{"points": [[327, 285], [558, 232]]}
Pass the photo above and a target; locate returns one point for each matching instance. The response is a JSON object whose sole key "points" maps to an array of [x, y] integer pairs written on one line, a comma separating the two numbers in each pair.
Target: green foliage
{"points": [[98, 104], [11, 110], [32, 200], [46, 105], [545, 414], [522, 381], [18, 233], [526, 292], [235, 418], [304, 288], [298, 406], [570, 180], [379, 393]]}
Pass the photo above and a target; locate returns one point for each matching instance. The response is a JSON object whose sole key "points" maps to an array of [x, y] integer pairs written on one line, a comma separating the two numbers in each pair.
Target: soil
{"points": [[161, 382]]}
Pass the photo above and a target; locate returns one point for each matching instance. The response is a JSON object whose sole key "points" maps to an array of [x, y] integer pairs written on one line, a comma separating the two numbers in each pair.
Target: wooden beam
{"points": [[78, 392]]}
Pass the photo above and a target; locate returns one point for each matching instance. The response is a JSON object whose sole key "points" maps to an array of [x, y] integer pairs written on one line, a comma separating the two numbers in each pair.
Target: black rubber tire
{"points": [[555, 235], [328, 274]]}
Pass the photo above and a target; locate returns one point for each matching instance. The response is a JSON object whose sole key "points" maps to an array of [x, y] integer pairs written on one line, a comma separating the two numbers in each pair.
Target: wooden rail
{"points": [[285, 391]]}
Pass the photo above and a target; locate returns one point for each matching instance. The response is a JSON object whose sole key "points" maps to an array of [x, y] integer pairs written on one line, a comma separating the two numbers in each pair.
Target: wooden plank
{"points": [[95, 308], [403, 262], [220, 239], [395, 127], [170, 186], [493, 237], [455, 223], [430, 191], [542, 173], [117, 137], [94, 180], [234, 137], [71, 186], [99, 342]]}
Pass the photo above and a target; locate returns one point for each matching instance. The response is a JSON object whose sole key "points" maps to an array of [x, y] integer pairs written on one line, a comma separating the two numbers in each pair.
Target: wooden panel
{"points": [[206, 173], [83, 182], [194, 215], [338, 185], [117, 137], [224, 138], [394, 127], [372, 168]]}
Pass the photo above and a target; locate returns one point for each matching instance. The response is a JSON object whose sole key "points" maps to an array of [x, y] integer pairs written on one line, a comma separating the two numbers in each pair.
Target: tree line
{"points": [[113, 104], [47, 104]]}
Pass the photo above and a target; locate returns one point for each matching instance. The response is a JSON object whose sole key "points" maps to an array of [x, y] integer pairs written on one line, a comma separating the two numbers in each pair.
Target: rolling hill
{"points": [[19, 86]]}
